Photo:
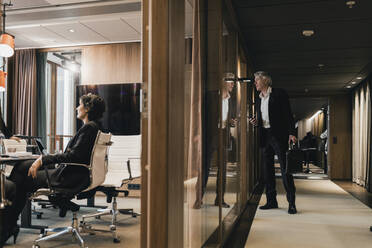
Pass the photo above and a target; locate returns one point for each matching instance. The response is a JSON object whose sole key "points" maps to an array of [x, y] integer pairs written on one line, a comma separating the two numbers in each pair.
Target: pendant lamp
{"points": [[2, 81], [6, 40]]}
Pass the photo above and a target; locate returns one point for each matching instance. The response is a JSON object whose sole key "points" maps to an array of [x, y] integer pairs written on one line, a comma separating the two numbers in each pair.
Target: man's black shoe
{"points": [[269, 205], [292, 209]]}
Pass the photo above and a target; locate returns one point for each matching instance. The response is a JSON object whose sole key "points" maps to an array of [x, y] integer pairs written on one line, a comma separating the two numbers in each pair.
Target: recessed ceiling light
{"points": [[320, 65], [348, 86], [350, 4], [71, 30], [353, 82], [308, 33], [359, 78]]}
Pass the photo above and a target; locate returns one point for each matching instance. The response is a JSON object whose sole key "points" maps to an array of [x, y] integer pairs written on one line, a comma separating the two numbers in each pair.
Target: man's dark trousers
{"points": [[271, 147]]}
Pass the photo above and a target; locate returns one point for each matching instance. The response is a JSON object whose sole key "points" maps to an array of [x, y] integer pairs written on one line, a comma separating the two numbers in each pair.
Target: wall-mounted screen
{"points": [[122, 115]]}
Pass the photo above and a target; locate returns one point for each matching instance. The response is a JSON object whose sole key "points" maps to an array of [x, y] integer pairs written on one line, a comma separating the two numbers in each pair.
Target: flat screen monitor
{"points": [[122, 115]]}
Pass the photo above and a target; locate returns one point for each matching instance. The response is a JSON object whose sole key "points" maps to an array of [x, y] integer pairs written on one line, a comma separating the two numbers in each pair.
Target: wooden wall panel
{"points": [[144, 121], [339, 159], [113, 63], [166, 123]]}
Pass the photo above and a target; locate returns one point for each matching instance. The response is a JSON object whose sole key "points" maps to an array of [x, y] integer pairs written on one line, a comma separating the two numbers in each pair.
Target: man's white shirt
{"points": [[265, 108], [225, 110]]}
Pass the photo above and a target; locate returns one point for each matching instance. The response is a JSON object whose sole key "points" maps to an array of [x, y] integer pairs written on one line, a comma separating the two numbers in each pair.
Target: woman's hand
{"points": [[32, 171], [15, 138]]}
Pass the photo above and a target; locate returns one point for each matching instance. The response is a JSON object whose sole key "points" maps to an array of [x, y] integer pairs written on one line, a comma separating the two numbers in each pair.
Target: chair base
{"points": [[59, 231], [113, 212]]}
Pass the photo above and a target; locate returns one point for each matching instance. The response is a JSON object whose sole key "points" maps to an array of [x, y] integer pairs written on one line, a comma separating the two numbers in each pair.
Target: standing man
{"points": [[213, 124], [276, 130]]}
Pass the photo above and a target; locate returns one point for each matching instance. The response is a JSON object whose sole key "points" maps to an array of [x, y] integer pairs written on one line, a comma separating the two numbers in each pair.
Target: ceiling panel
{"points": [[19, 4], [21, 41], [55, 2], [39, 35], [81, 34], [342, 42], [306, 107], [305, 12], [134, 22], [118, 31]]}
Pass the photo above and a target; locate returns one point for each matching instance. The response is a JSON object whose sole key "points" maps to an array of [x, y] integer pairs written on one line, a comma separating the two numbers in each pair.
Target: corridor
{"points": [[328, 216]]}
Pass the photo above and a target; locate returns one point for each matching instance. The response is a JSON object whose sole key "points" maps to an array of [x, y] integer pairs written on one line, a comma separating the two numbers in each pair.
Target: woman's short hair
{"points": [[95, 106], [264, 75]]}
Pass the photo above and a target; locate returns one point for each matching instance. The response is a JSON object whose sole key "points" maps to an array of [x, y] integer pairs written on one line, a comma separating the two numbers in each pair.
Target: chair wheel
{"points": [[35, 246], [98, 217], [116, 240]]}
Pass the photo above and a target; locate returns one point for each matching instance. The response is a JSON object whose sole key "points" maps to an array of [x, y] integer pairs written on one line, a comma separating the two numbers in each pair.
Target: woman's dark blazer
{"points": [[78, 150], [280, 116]]}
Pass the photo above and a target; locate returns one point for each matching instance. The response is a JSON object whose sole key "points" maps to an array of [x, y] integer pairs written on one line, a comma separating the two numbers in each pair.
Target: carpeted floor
{"points": [[128, 228], [327, 217]]}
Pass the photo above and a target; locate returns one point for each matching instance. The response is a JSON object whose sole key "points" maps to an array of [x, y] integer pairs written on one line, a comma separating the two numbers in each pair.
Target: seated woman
{"points": [[28, 176]]}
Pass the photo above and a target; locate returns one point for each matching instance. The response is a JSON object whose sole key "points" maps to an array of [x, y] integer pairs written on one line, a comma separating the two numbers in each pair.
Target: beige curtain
{"points": [[24, 92], [195, 131], [318, 124], [361, 133], [314, 125]]}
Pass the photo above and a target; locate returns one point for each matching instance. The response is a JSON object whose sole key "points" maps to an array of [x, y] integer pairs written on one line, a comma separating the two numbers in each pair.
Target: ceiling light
{"points": [[350, 4], [71, 30], [314, 115], [6, 40], [321, 66], [359, 78], [6, 45], [353, 82], [308, 33], [348, 86]]}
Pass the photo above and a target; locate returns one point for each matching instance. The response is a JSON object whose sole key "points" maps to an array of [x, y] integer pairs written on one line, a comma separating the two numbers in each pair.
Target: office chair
{"points": [[60, 196], [126, 148]]}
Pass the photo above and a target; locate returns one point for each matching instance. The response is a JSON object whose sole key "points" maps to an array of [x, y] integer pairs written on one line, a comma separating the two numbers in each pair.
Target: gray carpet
{"points": [[128, 228], [327, 217]]}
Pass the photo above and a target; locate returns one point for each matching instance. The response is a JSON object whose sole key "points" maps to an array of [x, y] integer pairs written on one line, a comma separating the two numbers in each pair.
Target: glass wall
{"points": [[218, 164], [63, 74]]}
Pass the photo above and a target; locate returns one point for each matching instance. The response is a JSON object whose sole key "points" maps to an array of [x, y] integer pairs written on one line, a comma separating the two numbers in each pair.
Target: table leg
{"points": [[26, 218]]}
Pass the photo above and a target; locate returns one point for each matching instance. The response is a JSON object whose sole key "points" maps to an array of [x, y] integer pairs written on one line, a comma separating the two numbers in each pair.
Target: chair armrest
{"points": [[77, 164], [128, 167]]}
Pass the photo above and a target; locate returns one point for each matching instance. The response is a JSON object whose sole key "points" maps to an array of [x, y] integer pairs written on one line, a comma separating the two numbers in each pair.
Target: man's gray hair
{"points": [[228, 76], [264, 75]]}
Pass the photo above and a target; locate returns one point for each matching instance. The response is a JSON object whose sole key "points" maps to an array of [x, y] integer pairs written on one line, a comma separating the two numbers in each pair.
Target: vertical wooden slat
{"points": [[243, 133], [158, 125], [144, 121], [53, 105], [166, 123]]}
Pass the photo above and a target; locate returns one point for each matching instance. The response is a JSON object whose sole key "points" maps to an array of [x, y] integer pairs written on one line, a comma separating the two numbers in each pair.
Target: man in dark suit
{"points": [[276, 131], [213, 124]]}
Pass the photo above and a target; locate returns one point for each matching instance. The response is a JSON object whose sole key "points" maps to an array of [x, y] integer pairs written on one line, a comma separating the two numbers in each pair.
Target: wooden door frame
{"points": [[163, 61]]}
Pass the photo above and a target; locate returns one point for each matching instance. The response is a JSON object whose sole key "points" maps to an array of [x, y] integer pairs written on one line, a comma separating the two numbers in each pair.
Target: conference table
{"points": [[26, 213]]}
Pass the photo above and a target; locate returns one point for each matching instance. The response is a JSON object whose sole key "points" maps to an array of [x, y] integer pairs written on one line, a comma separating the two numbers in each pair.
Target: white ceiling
{"points": [[42, 24], [48, 23]]}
